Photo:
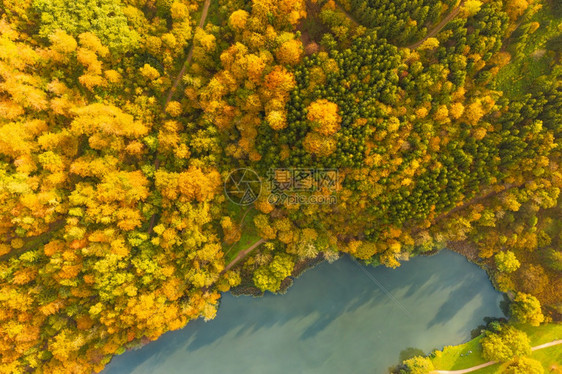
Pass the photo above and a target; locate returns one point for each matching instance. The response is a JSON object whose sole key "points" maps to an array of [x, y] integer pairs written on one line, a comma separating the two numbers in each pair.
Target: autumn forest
{"points": [[121, 120]]}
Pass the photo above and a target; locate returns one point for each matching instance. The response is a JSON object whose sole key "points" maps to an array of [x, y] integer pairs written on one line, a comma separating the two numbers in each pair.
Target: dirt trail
{"points": [[439, 26], [474, 368], [243, 254], [189, 54], [239, 257], [434, 31], [489, 363], [546, 345], [351, 18], [177, 81]]}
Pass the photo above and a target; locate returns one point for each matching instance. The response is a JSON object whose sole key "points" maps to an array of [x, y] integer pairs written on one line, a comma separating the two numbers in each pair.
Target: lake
{"points": [[336, 318]]}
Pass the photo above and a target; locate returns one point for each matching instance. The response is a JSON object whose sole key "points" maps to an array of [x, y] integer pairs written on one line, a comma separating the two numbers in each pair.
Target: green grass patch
{"points": [[214, 16], [243, 216], [450, 357], [247, 239], [517, 77], [235, 211], [492, 369], [549, 357], [531, 59], [543, 333]]}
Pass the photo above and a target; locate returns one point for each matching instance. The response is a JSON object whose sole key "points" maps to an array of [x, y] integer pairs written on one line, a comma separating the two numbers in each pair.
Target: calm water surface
{"points": [[337, 318]]}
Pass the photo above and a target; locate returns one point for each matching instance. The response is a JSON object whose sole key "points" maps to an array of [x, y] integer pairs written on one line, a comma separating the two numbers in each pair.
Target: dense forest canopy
{"points": [[120, 121]]}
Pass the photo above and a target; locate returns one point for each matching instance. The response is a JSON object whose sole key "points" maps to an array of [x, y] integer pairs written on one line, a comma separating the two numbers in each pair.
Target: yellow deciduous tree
{"points": [[290, 52], [319, 145], [195, 184], [324, 117]]}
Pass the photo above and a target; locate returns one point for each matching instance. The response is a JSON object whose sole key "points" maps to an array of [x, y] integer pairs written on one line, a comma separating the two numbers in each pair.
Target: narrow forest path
{"points": [[348, 15], [474, 368], [489, 363], [243, 254], [241, 226], [434, 31], [546, 345], [177, 81], [237, 259], [204, 13]]}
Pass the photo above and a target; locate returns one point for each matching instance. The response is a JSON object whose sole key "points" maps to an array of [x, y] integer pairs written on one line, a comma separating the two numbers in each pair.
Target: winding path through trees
{"points": [[351, 18], [474, 368], [236, 259], [489, 363], [204, 13], [434, 31], [243, 254]]}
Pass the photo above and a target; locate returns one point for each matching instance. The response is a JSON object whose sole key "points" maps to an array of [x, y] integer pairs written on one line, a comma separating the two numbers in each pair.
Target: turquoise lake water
{"points": [[336, 318]]}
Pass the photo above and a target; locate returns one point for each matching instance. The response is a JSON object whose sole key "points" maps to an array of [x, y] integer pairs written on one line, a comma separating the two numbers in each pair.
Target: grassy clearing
{"points": [[549, 357], [244, 216], [245, 241], [450, 358], [539, 335], [530, 59], [542, 334], [513, 83], [214, 16]]}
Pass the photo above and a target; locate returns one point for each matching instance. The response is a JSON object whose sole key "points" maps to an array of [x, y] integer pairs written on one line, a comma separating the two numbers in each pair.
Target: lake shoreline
{"points": [[246, 288], [334, 304]]}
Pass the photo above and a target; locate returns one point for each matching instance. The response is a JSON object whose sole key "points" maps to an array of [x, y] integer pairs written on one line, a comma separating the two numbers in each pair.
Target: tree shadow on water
{"points": [[318, 298], [463, 294], [467, 293], [408, 353]]}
